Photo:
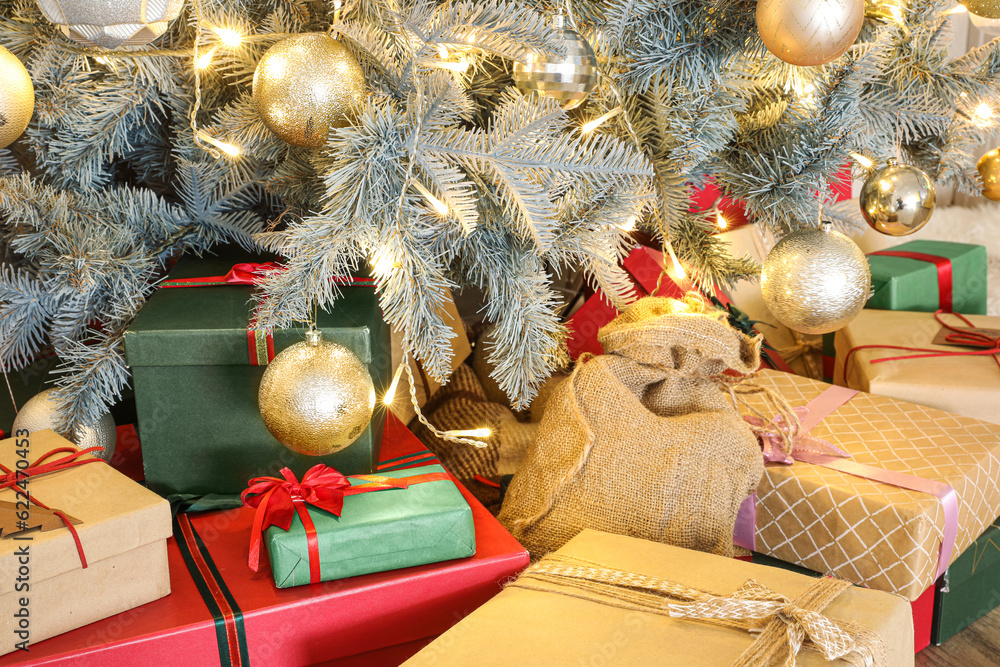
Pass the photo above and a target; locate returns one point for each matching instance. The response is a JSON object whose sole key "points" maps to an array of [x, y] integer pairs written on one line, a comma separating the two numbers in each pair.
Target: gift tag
{"points": [[967, 337]]}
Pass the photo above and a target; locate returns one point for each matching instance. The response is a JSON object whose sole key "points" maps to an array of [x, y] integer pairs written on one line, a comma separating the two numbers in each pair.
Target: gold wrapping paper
{"points": [[964, 385], [123, 531], [530, 627], [873, 534]]}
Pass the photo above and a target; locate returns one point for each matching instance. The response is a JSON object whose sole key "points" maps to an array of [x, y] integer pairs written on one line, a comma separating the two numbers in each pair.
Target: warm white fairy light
{"points": [[390, 393], [229, 37], [600, 120], [228, 149], [461, 66], [382, 263], [720, 220], [982, 115], [679, 272], [204, 61], [438, 205], [862, 160], [629, 224], [896, 12], [472, 433]]}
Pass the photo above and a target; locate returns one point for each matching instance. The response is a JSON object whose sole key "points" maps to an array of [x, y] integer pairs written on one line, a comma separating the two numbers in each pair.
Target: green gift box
{"points": [[196, 389], [384, 530], [902, 283], [970, 588]]}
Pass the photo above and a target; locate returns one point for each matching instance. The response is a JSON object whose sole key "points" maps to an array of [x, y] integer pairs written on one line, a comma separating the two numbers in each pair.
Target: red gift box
{"points": [[379, 618]]}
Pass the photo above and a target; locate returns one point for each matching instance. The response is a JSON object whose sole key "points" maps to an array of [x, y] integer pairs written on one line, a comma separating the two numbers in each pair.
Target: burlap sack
{"points": [[644, 440]]}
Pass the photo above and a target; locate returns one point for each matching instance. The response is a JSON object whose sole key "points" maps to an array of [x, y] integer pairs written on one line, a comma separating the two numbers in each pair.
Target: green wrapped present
{"points": [[196, 372], [927, 275], [332, 527], [970, 588]]}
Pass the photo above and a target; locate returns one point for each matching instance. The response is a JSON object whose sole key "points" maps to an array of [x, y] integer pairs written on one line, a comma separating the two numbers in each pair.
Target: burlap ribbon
{"points": [[783, 627]]}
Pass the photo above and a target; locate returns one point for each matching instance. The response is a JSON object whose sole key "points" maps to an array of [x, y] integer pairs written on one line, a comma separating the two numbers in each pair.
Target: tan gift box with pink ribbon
{"points": [[939, 488]]}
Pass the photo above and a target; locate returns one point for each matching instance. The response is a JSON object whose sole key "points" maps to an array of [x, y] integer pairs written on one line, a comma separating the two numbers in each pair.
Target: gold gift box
{"points": [[964, 385], [873, 534], [124, 529], [531, 627]]}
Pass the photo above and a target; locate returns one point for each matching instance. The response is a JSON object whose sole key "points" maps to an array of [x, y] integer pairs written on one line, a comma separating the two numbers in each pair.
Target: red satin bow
{"points": [[278, 500], [991, 346], [11, 478]]}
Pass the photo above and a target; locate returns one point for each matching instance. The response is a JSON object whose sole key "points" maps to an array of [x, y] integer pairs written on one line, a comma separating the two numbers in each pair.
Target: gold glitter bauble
{"points": [[305, 85], [40, 413], [815, 280], [17, 98], [111, 24], [988, 9], [316, 397], [989, 169], [809, 32], [897, 199], [567, 80]]}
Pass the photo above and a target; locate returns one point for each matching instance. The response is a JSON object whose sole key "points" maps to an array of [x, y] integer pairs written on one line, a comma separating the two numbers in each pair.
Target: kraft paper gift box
{"points": [[196, 382], [123, 530], [555, 622], [962, 384], [222, 613], [426, 522], [970, 588], [875, 534]]}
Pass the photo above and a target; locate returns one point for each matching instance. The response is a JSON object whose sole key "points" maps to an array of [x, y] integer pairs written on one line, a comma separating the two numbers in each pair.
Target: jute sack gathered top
{"points": [[644, 440]]}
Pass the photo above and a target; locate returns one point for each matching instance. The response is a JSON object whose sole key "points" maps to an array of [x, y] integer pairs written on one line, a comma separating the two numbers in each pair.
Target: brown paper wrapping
{"points": [[968, 385], [873, 534], [123, 531], [527, 627], [425, 385]]}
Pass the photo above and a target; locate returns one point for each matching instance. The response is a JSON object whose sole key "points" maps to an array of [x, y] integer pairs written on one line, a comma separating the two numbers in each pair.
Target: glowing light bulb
{"points": [[204, 61], [862, 160], [382, 262], [983, 114], [897, 13], [720, 220], [390, 393], [679, 272], [438, 205], [229, 37], [443, 52], [628, 225], [472, 433], [592, 125], [228, 149]]}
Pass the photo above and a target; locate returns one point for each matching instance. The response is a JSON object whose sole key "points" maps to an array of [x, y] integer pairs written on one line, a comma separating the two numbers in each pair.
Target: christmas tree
{"points": [[152, 140]]}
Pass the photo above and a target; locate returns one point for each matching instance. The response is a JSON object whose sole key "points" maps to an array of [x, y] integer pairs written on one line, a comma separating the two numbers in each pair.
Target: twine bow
{"points": [[782, 441], [278, 500], [783, 627], [15, 480]]}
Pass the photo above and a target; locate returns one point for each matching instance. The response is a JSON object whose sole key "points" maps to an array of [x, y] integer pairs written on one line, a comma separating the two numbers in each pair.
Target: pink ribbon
{"points": [[772, 444], [818, 409]]}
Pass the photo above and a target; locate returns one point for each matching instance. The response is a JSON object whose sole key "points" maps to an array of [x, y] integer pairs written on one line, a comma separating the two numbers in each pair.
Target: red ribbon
{"points": [[991, 346], [943, 265], [10, 479], [278, 500]]}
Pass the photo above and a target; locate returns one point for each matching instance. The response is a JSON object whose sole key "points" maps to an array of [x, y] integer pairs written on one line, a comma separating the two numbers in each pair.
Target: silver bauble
{"points": [[40, 413], [316, 397], [111, 25], [897, 199], [17, 98], [815, 280], [809, 32], [567, 80]]}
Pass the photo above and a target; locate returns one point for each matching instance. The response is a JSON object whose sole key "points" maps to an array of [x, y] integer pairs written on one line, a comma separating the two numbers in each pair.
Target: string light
{"points": [[982, 115], [679, 272], [390, 393], [590, 126], [382, 263], [720, 220], [628, 225], [472, 433], [228, 149], [862, 160], [204, 61], [443, 52], [229, 37], [897, 13], [461, 66], [957, 9], [438, 205]]}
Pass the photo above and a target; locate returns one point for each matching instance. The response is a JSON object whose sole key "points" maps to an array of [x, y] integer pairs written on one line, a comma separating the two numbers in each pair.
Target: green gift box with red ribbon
{"points": [[328, 526], [197, 363]]}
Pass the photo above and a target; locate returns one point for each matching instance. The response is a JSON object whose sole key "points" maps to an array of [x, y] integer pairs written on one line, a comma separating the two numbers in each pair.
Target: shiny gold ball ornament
{"points": [[316, 397], [815, 280], [897, 200], [111, 24], [17, 98], [988, 9], [989, 169], [567, 80], [305, 85], [40, 413], [809, 32]]}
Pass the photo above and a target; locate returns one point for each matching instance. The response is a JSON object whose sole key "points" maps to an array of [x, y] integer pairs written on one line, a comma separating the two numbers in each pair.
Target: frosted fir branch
{"points": [[90, 380], [25, 311]]}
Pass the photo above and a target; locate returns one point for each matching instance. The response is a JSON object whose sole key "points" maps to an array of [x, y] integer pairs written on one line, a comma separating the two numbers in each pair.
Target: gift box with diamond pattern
{"points": [[872, 533]]}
